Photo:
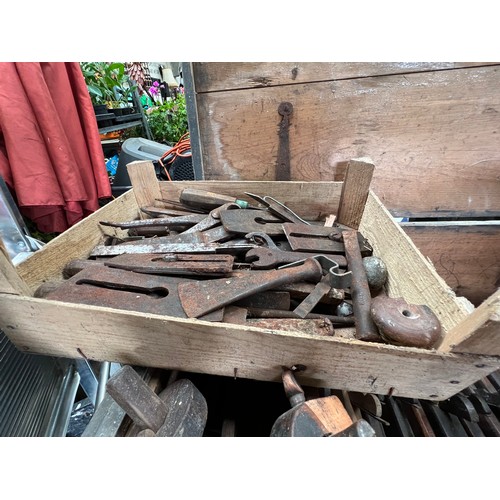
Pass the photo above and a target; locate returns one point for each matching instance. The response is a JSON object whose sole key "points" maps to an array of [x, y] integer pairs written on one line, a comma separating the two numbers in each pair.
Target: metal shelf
{"points": [[121, 126]]}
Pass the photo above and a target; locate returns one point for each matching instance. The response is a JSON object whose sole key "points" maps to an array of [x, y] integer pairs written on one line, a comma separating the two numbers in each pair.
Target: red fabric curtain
{"points": [[50, 150]]}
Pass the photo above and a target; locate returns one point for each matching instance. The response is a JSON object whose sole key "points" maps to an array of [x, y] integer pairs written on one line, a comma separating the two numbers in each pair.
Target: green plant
{"points": [[107, 83], [168, 122]]}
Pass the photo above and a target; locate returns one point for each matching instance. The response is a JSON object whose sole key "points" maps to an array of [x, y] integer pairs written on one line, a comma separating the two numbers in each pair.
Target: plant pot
{"points": [[128, 110], [116, 111], [100, 109]]}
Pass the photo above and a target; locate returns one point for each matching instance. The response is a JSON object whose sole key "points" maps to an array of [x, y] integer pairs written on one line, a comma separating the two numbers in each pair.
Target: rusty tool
{"points": [[212, 219], [263, 300], [277, 208], [201, 297], [331, 279], [321, 239], [175, 264], [319, 417], [248, 221], [155, 246], [285, 109], [417, 418], [211, 227], [121, 289], [159, 212], [151, 231], [180, 410], [405, 324], [171, 222], [376, 272], [254, 312], [199, 198], [399, 322], [366, 328], [76, 265], [268, 258]]}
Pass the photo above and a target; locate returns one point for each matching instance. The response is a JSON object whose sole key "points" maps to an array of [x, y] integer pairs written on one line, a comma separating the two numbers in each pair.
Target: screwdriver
{"points": [[207, 199]]}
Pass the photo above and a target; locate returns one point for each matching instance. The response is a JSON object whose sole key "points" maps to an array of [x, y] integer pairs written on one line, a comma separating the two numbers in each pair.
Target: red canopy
{"points": [[50, 150]]}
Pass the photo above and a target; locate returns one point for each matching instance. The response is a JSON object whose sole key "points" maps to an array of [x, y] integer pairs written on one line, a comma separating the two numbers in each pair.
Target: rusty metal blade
{"points": [[313, 238], [175, 264], [179, 221], [250, 221], [121, 289], [199, 298]]}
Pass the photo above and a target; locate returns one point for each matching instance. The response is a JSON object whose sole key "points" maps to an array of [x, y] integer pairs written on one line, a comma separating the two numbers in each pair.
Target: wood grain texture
{"points": [[355, 190], [479, 332], [214, 77], [465, 254], [330, 412], [312, 200], [143, 179], [10, 282], [409, 275], [47, 263], [433, 136], [42, 326]]}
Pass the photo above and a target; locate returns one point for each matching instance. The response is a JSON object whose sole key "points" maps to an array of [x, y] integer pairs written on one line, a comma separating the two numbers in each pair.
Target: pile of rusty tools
{"points": [[223, 259], [247, 260]]}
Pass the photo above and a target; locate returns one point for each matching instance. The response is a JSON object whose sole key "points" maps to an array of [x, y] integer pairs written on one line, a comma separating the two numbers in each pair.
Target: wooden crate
{"points": [[470, 349]]}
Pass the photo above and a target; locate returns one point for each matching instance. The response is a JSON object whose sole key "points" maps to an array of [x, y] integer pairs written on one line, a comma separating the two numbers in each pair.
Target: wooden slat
{"points": [[213, 77], [10, 282], [409, 275], [434, 137], [465, 254], [144, 182], [355, 191], [480, 332], [312, 200], [70, 331], [47, 263]]}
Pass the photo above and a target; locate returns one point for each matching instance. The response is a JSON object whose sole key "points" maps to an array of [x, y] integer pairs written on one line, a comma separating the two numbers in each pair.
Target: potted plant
{"points": [[107, 84]]}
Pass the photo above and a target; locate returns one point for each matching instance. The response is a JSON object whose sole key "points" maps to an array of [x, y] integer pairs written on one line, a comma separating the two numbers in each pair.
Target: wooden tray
{"points": [[470, 350]]}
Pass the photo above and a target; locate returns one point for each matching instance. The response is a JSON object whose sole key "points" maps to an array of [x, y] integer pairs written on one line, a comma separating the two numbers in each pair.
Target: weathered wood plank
{"points": [[145, 183], [465, 254], [355, 191], [312, 200], [10, 282], [41, 326], [212, 77], [480, 331], [47, 263], [434, 136], [409, 275]]}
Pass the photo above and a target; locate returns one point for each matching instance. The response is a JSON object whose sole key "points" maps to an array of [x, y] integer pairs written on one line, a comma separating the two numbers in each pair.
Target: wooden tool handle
{"points": [[207, 199]]}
